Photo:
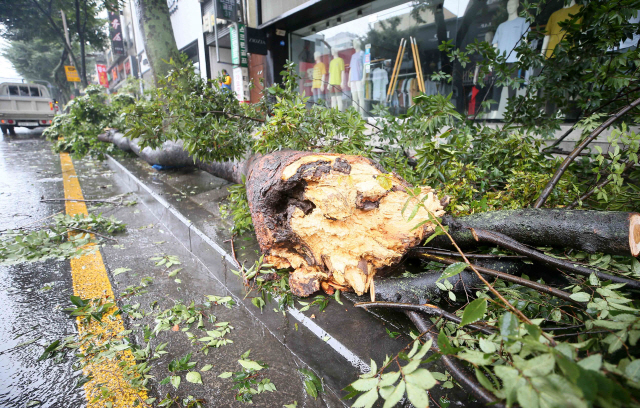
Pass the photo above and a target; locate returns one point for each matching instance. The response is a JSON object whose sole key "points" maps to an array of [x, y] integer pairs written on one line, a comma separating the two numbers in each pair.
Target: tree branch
{"points": [[565, 165]]}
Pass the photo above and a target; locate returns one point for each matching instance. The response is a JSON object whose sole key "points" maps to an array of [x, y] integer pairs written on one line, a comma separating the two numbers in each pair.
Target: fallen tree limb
{"points": [[546, 192], [607, 180], [513, 279], [455, 369], [611, 232], [429, 310], [432, 251], [515, 246]]}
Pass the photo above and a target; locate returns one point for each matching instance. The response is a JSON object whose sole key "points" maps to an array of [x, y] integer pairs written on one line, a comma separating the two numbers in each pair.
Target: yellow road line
{"points": [[90, 281]]}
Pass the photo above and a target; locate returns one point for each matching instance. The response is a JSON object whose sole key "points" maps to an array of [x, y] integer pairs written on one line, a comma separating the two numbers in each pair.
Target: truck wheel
{"points": [[12, 130], [5, 129]]}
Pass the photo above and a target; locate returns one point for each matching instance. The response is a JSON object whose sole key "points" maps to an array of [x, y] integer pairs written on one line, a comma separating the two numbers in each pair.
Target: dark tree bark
{"points": [[80, 31], [615, 233]]}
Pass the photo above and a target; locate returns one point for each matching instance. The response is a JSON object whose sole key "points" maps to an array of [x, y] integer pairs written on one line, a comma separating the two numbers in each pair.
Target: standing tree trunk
{"points": [[159, 42], [80, 31]]}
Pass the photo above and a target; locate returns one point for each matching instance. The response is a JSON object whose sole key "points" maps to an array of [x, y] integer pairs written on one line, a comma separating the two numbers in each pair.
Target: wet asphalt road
{"points": [[33, 295]]}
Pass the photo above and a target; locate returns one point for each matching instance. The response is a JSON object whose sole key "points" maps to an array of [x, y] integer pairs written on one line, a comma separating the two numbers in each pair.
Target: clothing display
{"points": [[508, 36], [553, 29], [414, 90], [336, 68], [380, 79], [430, 87], [319, 70], [356, 66]]}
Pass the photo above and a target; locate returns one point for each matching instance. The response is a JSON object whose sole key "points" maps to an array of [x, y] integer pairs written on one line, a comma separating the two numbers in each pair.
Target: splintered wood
{"points": [[328, 217]]}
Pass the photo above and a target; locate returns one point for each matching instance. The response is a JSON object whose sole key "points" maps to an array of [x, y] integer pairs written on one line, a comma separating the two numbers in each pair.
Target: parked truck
{"points": [[26, 105]]}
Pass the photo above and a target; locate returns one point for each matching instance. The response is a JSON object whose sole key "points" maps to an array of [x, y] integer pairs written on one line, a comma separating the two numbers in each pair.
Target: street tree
{"points": [[27, 20], [159, 42]]}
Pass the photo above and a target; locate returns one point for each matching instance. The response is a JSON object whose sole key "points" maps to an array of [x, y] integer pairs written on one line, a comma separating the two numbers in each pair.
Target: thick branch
{"points": [[565, 164], [513, 245], [611, 232], [430, 310], [510, 278], [454, 368]]}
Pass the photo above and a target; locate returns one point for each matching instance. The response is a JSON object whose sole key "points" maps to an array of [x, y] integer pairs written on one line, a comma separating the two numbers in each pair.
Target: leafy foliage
{"points": [[66, 238], [245, 381]]}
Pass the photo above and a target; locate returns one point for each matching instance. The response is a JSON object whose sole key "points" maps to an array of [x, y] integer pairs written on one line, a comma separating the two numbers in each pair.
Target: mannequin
{"points": [[336, 75], [356, 77], [319, 77], [506, 38], [554, 32]]}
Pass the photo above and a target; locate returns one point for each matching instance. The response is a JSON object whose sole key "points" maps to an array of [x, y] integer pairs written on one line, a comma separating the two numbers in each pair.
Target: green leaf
{"points": [[395, 396], [373, 370], [417, 396], [452, 270], [593, 362], [194, 377], [367, 399], [388, 379], [474, 311], [118, 271], [311, 389], [422, 378], [206, 368], [633, 370], [580, 297], [364, 384], [175, 381], [527, 397], [508, 324], [250, 365], [226, 374], [174, 272]]}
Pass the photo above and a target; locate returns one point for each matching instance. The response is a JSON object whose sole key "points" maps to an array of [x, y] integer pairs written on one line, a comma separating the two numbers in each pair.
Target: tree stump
{"points": [[329, 217]]}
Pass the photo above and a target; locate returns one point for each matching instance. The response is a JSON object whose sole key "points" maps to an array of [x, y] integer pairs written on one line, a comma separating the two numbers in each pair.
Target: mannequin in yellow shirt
{"points": [[336, 76], [555, 33]]}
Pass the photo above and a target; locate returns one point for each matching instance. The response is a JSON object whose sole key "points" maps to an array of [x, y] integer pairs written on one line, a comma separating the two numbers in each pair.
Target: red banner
{"points": [[102, 74]]}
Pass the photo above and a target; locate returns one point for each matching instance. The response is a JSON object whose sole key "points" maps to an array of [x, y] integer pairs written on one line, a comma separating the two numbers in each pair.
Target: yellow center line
{"points": [[90, 281]]}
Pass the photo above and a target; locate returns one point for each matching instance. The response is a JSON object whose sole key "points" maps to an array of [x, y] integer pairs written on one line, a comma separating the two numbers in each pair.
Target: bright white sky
{"points": [[6, 68], [361, 28]]}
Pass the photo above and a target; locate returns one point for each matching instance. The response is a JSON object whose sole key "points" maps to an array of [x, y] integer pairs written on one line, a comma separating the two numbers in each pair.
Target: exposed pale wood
{"points": [[328, 217]]}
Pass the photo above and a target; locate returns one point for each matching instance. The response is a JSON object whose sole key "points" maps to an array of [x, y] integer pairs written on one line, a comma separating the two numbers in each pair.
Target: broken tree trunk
{"points": [[611, 232], [328, 217]]}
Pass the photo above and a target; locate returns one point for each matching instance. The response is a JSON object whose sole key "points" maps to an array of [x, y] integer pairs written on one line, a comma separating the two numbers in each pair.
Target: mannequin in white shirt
{"points": [[545, 42], [356, 82], [505, 39], [336, 100]]}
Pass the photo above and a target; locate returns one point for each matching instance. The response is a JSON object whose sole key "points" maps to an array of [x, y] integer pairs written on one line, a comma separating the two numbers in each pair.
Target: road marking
{"points": [[90, 280]]}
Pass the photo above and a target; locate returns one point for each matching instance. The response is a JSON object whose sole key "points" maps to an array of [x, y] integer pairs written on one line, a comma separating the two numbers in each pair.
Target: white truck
{"points": [[26, 105]]}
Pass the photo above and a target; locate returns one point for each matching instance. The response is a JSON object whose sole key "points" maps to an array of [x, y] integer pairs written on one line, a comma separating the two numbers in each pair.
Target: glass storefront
{"points": [[348, 60]]}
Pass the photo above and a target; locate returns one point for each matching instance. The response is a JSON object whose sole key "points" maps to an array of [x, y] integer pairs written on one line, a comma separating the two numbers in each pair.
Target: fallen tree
{"points": [[338, 219]]}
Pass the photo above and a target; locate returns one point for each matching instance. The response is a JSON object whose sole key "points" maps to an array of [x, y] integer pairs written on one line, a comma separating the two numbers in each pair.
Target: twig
{"points": [[430, 310], [234, 114], [233, 252], [33, 222], [546, 191], [426, 250], [515, 246], [93, 232], [598, 186], [44, 200], [513, 279]]}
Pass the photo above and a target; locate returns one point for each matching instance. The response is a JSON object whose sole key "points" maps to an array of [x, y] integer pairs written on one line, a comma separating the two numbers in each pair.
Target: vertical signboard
{"points": [[238, 34], [101, 69], [115, 33], [72, 73], [241, 84]]}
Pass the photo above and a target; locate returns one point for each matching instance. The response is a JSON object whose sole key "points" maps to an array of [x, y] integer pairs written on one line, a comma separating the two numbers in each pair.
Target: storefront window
{"points": [[349, 59]]}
